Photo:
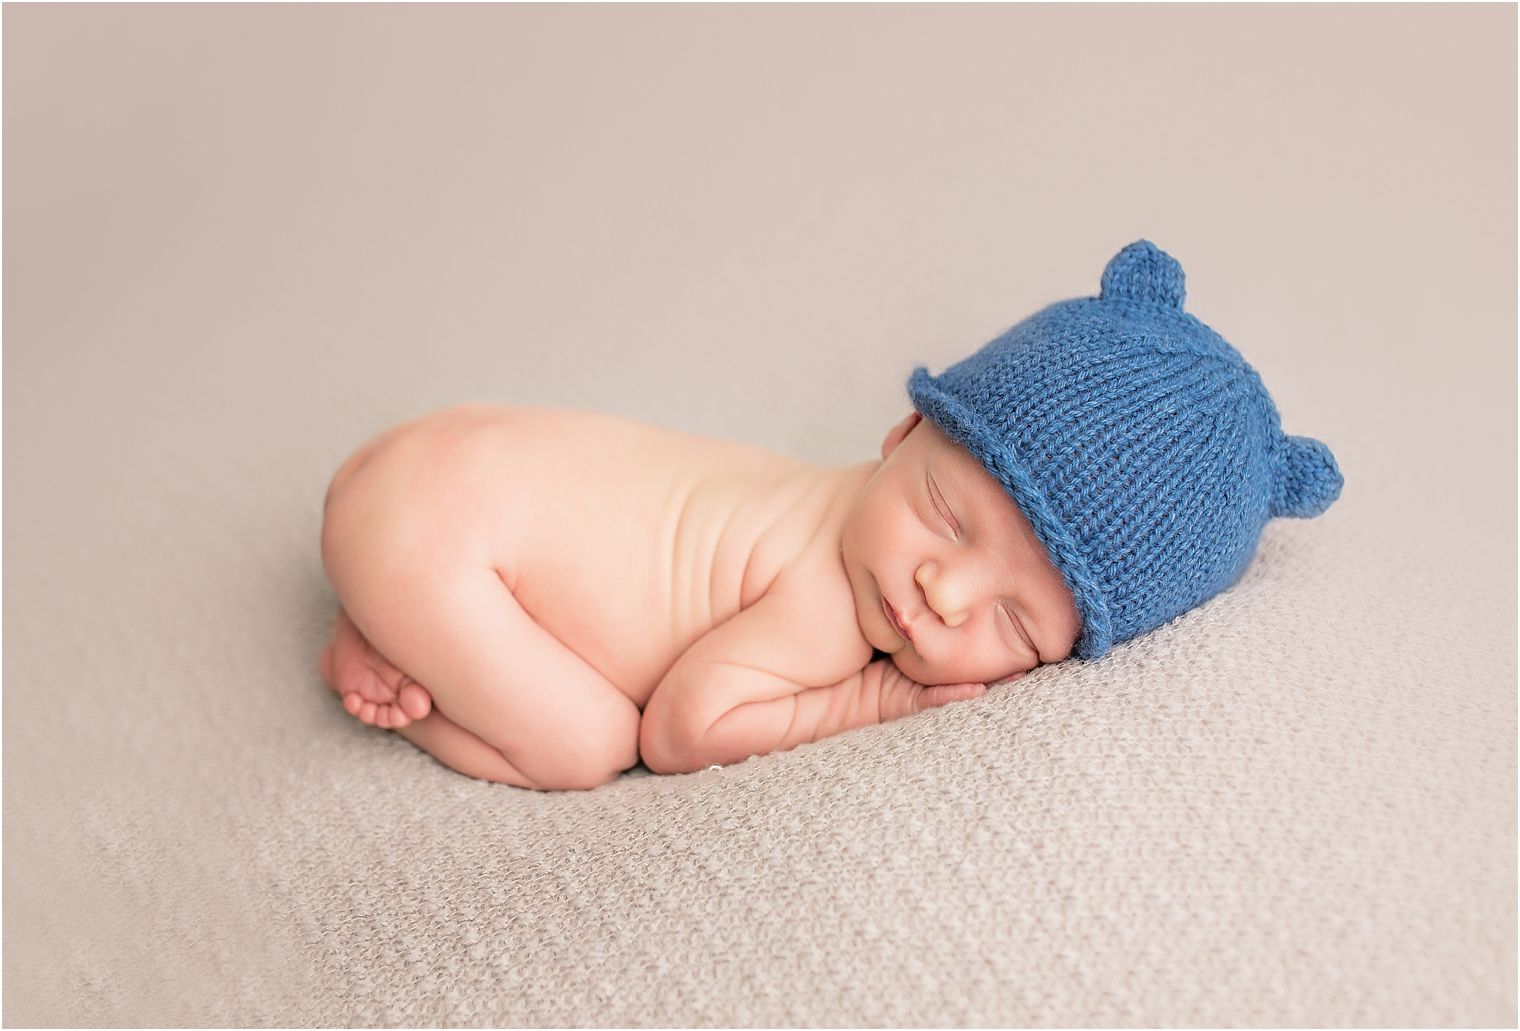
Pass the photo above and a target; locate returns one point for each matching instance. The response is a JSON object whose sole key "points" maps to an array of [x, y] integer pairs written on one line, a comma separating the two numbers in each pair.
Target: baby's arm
{"points": [[761, 682], [768, 713], [878, 693]]}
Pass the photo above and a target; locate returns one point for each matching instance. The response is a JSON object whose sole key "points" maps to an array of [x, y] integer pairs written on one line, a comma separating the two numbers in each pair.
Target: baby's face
{"points": [[935, 536]]}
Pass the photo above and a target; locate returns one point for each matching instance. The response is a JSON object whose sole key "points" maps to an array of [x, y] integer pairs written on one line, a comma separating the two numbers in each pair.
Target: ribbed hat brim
{"points": [[966, 428]]}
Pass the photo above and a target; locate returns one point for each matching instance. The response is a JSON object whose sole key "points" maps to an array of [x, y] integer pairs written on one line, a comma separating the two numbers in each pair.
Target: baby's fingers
{"points": [[944, 694]]}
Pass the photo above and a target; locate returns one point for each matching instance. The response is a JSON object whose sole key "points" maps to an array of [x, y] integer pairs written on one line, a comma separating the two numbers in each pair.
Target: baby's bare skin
{"points": [[612, 546]]}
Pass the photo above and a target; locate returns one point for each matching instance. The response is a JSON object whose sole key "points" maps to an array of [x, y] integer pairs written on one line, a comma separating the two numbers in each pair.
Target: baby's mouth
{"points": [[897, 624]]}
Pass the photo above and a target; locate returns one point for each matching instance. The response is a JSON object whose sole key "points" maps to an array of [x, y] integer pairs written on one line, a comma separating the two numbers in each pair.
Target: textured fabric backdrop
{"points": [[240, 240]]}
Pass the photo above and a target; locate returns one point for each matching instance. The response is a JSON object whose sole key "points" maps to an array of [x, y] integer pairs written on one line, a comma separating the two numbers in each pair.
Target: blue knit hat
{"points": [[1142, 448]]}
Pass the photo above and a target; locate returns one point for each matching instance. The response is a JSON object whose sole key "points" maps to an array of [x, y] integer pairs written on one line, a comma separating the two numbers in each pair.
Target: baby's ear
{"points": [[896, 434]]}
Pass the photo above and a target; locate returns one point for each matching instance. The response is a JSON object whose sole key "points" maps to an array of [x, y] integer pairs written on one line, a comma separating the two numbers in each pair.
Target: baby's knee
{"points": [[579, 776], [591, 778], [604, 746]]}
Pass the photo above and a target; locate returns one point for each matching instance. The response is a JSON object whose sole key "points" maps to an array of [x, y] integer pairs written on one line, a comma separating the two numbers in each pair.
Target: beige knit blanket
{"points": [[1282, 809]]}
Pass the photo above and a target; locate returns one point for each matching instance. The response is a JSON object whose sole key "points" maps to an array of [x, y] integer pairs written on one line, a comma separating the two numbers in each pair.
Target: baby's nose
{"points": [[942, 596]]}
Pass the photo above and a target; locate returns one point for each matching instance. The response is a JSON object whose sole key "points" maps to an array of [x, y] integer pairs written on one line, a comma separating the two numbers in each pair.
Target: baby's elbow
{"points": [[662, 749], [655, 752]]}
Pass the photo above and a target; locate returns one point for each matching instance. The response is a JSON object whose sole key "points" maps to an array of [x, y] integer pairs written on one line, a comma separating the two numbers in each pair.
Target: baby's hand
{"points": [[899, 696]]}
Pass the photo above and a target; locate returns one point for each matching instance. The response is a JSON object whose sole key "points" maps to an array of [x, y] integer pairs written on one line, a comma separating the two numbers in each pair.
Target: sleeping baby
{"points": [[545, 597]]}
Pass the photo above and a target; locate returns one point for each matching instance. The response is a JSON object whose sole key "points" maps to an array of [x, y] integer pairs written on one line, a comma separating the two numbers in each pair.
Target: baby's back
{"points": [[625, 541]]}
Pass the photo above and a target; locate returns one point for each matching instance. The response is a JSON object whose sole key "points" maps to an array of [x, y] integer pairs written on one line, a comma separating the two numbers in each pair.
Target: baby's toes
{"points": [[357, 677], [414, 701], [386, 717]]}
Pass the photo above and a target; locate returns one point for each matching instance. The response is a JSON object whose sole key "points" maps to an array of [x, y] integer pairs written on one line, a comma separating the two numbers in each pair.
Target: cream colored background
{"points": [[241, 239]]}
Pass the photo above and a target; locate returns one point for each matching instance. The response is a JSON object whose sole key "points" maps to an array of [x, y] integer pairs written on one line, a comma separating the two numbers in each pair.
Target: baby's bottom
{"points": [[510, 703]]}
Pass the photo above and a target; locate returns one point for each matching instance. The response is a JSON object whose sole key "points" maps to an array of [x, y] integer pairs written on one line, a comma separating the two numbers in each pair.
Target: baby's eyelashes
{"points": [[939, 506]]}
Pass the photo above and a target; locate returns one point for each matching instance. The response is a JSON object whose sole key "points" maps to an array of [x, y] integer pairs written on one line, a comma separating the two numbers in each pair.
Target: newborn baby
{"points": [[544, 597]]}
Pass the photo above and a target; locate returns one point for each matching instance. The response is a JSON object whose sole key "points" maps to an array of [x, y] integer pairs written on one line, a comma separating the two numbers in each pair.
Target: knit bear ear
{"points": [[1308, 479], [1143, 273]]}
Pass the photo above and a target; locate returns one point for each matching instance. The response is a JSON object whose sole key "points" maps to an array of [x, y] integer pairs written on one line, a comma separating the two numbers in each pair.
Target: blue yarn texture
{"points": [[1143, 449]]}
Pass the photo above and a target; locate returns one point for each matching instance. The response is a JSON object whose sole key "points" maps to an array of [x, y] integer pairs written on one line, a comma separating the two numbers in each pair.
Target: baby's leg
{"points": [[449, 743], [460, 750], [490, 668]]}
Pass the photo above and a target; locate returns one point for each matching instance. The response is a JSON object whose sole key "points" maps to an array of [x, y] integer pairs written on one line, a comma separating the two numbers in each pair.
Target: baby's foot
{"points": [[373, 689]]}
